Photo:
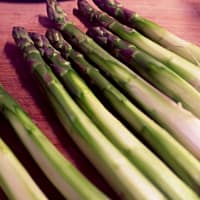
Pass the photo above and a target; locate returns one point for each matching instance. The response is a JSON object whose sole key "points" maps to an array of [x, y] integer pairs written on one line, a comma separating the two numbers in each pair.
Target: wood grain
{"points": [[179, 16]]}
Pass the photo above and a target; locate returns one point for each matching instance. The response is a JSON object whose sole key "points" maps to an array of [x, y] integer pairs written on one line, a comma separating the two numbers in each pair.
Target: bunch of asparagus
{"points": [[157, 105], [165, 117], [187, 70], [66, 178], [152, 30], [105, 121]]}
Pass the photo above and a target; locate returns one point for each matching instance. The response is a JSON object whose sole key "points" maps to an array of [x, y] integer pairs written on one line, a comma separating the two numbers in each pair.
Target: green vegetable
{"points": [[155, 72], [152, 30], [185, 165], [184, 68], [14, 179], [66, 178], [148, 163], [125, 179], [178, 121]]}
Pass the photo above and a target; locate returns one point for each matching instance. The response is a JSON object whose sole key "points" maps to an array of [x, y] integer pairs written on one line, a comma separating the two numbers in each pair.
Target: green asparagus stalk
{"points": [[14, 179], [185, 165], [66, 178], [113, 129], [125, 178], [182, 124], [184, 68], [152, 30], [155, 72]]}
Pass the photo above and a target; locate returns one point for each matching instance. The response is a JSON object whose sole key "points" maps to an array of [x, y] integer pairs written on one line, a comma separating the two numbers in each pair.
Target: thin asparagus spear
{"points": [[185, 165], [14, 179], [113, 129], [178, 121], [152, 30], [155, 72], [125, 178], [187, 70], [66, 178]]}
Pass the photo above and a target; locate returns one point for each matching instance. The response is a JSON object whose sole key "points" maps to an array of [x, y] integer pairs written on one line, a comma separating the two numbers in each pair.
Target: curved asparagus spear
{"points": [[155, 72], [14, 179], [185, 165], [125, 178], [187, 70], [112, 128], [178, 121], [66, 178], [152, 30]]}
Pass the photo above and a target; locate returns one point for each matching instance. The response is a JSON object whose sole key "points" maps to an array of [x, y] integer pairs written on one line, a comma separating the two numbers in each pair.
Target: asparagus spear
{"points": [[66, 178], [152, 30], [14, 179], [125, 178], [187, 70], [185, 165], [145, 160], [178, 121], [155, 72]]}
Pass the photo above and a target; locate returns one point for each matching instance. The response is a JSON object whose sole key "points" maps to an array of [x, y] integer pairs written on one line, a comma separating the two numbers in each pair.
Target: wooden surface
{"points": [[180, 16]]}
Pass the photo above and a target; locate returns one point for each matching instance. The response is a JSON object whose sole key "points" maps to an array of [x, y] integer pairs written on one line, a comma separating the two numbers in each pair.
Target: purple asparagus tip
{"points": [[54, 35], [56, 14], [101, 34], [39, 40], [57, 40], [19, 33], [84, 8], [111, 42], [93, 15], [21, 37], [114, 8], [109, 5]]}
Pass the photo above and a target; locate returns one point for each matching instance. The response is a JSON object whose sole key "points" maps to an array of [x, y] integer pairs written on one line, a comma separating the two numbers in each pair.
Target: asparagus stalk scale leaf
{"points": [[186, 69], [14, 179], [152, 30], [155, 72], [148, 163], [125, 178], [178, 121]]}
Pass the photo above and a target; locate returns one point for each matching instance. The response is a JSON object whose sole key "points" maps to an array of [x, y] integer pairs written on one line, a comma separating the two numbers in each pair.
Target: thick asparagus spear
{"points": [[152, 30], [146, 161], [66, 178], [178, 121], [125, 178], [155, 72], [14, 179], [185, 165], [187, 70]]}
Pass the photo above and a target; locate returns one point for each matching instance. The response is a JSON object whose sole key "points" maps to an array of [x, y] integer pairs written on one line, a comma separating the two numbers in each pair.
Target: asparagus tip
{"points": [[21, 36], [56, 38], [39, 40], [107, 39], [18, 32], [84, 8], [53, 34], [56, 14]]}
